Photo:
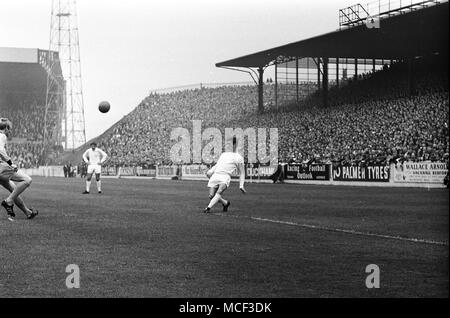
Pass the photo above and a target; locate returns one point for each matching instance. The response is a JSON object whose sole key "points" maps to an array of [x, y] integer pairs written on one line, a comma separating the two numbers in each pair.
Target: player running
{"points": [[94, 158], [220, 177], [9, 173]]}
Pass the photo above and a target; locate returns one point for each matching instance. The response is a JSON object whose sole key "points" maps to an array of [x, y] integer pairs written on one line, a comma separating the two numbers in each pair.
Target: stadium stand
{"points": [[371, 118], [27, 117], [384, 115], [23, 80], [143, 136]]}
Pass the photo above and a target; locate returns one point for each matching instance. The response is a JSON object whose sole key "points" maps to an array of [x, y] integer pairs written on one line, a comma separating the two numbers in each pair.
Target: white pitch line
{"points": [[324, 228]]}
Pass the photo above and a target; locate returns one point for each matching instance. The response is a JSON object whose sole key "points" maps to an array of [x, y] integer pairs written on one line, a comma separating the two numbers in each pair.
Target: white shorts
{"points": [[219, 178], [97, 169]]}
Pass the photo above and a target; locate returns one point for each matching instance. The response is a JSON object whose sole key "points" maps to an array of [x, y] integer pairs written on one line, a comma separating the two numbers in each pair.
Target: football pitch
{"points": [[149, 238]]}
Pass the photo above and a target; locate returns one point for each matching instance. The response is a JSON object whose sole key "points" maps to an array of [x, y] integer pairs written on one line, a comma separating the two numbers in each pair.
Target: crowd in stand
{"points": [[25, 155], [27, 117], [370, 119], [143, 136], [378, 131]]}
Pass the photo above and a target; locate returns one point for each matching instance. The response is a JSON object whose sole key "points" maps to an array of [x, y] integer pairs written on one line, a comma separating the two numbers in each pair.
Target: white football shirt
{"points": [[229, 162], [94, 157]]}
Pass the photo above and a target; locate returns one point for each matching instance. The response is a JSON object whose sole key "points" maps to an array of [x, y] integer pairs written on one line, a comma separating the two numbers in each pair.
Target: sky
{"points": [[131, 47]]}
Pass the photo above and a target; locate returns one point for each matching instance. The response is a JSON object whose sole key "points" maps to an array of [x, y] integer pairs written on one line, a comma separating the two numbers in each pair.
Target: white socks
{"points": [[99, 185], [214, 200]]}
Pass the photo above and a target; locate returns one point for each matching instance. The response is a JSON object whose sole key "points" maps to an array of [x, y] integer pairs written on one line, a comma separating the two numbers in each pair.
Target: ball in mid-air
{"points": [[104, 107]]}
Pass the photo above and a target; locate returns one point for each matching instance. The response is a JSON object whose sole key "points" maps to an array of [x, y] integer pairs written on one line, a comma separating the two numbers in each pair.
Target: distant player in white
{"points": [[9, 173], [220, 177], [94, 158]]}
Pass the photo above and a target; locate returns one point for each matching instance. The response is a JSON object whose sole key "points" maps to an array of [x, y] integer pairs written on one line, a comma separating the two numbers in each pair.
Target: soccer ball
{"points": [[104, 107]]}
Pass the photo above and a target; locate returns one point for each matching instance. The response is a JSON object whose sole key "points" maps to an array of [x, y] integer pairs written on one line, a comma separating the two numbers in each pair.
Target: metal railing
{"points": [[357, 14]]}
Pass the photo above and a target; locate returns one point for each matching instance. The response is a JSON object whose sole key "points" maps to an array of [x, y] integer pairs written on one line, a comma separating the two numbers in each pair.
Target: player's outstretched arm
{"points": [[242, 178], [210, 172], [3, 154]]}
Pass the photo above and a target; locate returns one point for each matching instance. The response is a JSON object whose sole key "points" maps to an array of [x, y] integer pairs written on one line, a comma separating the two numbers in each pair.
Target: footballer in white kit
{"points": [[220, 177], [94, 158]]}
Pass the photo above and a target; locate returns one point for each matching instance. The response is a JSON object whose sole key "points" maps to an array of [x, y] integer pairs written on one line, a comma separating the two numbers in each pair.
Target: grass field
{"points": [[148, 238]]}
